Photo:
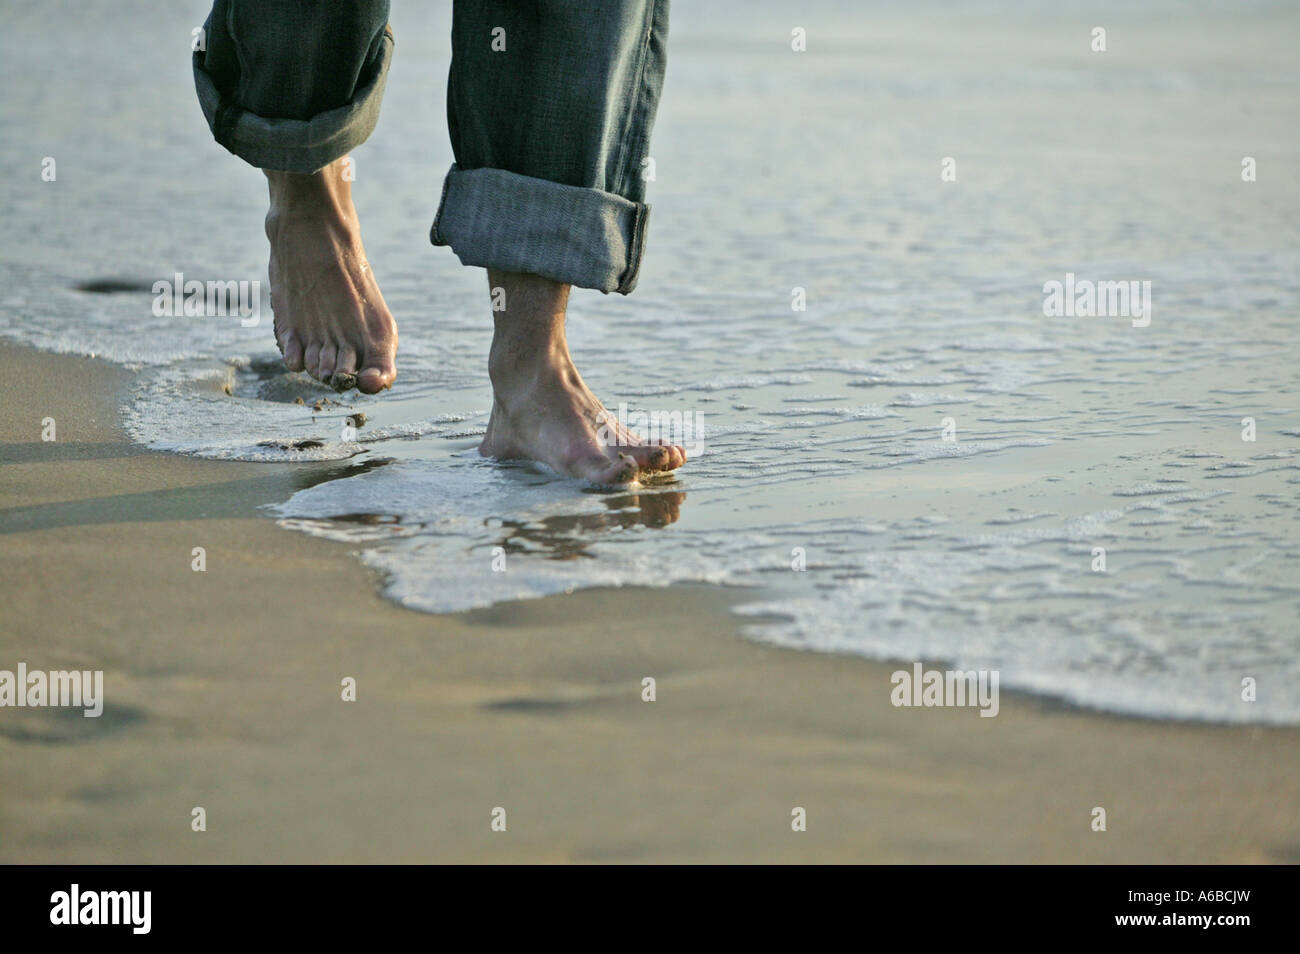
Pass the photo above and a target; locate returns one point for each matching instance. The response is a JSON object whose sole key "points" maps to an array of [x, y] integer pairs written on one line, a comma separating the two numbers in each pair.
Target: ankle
{"points": [[529, 348], [519, 365], [323, 194]]}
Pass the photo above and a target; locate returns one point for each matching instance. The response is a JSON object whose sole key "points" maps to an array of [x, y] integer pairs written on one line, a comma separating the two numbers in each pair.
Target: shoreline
{"points": [[223, 693]]}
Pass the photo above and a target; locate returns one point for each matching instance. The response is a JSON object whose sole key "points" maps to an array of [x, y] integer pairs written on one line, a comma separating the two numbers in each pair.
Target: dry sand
{"points": [[223, 691]]}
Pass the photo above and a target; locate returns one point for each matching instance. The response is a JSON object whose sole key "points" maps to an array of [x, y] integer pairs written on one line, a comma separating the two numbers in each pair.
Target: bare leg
{"points": [[329, 313], [541, 409]]}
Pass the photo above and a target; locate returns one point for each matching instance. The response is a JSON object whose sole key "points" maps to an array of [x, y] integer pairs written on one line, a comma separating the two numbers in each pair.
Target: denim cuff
{"points": [[585, 237], [294, 145]]}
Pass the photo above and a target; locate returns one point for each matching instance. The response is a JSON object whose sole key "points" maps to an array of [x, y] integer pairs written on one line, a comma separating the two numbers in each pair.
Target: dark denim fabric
{"points": [[292, 85], [550, 104]]}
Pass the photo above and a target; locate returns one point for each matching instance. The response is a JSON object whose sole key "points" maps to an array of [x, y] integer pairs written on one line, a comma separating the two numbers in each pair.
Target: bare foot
{"points": [[330, 318], [541, 409]]}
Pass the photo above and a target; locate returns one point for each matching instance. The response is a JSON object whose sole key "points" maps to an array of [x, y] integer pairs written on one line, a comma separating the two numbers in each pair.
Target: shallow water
{"points": [[823, 429]]}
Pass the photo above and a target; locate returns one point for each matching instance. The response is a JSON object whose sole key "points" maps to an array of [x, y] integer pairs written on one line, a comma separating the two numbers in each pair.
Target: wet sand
{"points": [[223, 691]]}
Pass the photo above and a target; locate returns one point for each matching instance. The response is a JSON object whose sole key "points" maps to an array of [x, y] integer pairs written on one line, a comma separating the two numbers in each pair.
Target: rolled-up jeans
{"points": [[550, 104]]}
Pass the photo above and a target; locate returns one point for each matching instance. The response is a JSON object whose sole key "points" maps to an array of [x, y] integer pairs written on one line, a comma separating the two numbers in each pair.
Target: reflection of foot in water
{"points": [[651, 510], [330, 317], [541, 409], [564, 537]]}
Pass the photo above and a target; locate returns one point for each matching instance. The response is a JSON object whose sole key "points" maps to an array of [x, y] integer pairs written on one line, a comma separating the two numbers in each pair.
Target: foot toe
{"points": [[623, 470], [329, 354], [649, 456], [658, 456], [599, 466], [346, 362], [291, 348], [311, 358], [377, 372]]}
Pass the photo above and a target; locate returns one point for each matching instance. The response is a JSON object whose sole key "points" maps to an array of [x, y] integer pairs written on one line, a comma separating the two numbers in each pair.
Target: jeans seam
{"points": [[620, 187], [224, 121], [239, 55], [627, 280], [434, 237]]}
